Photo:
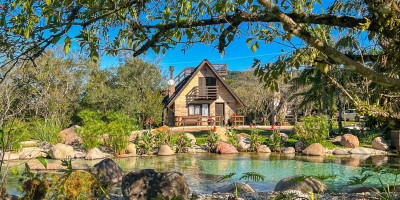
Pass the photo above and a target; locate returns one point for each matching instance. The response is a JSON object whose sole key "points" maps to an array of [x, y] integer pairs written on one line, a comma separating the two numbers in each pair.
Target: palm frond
{"points": [[252, 176], [225, 177]]}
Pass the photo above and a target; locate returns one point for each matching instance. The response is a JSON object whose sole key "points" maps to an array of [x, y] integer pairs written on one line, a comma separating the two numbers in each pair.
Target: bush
{"points": [[213, 140], [46, 131], [314, 129], [119, 129], [254, 139], [232, 137], [13, 133], [183, 142], [92, 129]]}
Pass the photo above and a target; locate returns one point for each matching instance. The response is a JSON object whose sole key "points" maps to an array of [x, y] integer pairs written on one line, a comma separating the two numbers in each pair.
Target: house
{"points": [[200, 96]]}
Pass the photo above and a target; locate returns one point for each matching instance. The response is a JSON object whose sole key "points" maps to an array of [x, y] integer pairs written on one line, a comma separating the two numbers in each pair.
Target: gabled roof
{"points": [[182, 85]]}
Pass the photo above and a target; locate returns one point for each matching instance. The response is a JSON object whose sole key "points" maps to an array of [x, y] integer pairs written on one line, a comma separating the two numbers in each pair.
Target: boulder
{"points": [[364, 190], [299, 146], [242, 187], [31, 153], [9, 156], [349, 141], [165, 150], [149, 184], [305, 186], [243, 144], [69, 136], [221, 131], [340, 152], [191, 138], [242, 135], [225, 148], [29, 144], [61, 151], [360, 150], [263, 149], [315, 149], [288, 150], [57, 166], [45, 146], [380, 144], [94, 154], [108, 171], [131, 148], [284, 137], [79, 154], [336, 139]]}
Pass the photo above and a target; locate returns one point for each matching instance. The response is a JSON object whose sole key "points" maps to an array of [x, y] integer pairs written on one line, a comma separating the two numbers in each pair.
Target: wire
{"points": [[223, 59]]}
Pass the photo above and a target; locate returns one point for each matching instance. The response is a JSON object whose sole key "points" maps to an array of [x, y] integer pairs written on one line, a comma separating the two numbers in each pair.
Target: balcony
{"points": [[222, 69], [205, 92]]}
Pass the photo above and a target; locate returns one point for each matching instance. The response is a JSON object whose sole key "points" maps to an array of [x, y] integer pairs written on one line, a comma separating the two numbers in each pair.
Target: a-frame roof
{"points": [[182, 85]]}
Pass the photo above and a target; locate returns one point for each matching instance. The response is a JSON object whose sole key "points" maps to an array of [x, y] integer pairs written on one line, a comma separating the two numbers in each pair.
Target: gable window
{"points": [[198, 109], [210, 81]]}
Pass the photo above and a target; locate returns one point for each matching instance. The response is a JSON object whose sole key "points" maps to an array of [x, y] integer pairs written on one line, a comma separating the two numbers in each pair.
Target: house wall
{"points": [[224, 96]]}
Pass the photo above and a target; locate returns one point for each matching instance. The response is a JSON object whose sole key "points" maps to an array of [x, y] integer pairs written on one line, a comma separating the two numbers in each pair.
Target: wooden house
{"points": [[200, 96]]}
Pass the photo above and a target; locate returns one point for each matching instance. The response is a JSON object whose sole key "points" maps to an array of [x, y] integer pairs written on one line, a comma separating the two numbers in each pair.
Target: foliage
{"points": [[232, 137], [275, 142], [146, 147], [119, 129], [254, 139], [46, 131], [314, 129], [93, 128], [213, 140], [183, 142], [35, 188], [247, 176], [162, 138], [12, 134]]}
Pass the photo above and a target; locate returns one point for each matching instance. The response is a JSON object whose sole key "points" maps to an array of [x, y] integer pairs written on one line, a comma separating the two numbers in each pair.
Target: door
{"points": [[220, 111]]}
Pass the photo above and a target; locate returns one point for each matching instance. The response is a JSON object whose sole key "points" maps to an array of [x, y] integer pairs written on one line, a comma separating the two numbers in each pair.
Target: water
{"points": [[203, 170]]}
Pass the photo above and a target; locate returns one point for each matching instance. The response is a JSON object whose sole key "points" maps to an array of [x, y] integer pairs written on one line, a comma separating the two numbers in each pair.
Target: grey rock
{"points": [[242, 187], [243, 144], [307, 185], [288, 150], [94, 154], [108, 171]]}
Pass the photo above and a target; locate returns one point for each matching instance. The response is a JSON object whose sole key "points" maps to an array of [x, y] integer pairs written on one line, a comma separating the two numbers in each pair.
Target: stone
{"points": [[57, 166], [149, 184], [379, 160], [288, 150], [360, 150], [305, 186], [45, 146], [242, 135], [221, 132], [242, 187], [225, 148], [243, 144], [31, 153], [263, 149], [79, 155], [165, 150], [191, 138], [349, 141], [340, 152], [380, 144], [9, 156], [131, 149], [284, 137], [364, 190], [395, 139], [299, 146], [61, 151], [315, 149], [336, 139], [108, 171], [69, 136], [29, 144], [94, 154]]}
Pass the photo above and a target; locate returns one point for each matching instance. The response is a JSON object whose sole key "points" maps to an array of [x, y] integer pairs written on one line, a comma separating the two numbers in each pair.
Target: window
{"points": [[199, 109], [210, 81]]}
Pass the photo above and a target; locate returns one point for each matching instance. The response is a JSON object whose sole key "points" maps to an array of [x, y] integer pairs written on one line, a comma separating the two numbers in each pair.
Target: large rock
{"points": [[364, 190], [244, 144], [69, 136], [242, 187], [263, 149], [336, 139], [147, 184], [10, 156], [340, 152], [305, 186], [349, 141], [360, 150], [131, 149], [94, 154], [108, 171], [380, 144], [31, 153], [315, 149], [221, 132], [61, 151], [191, 138], [225, 148], [165, 150], [299, 146], [288, 150], [284, 137]]}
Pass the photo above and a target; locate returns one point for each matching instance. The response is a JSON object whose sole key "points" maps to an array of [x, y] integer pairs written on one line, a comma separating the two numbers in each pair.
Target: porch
{"points": [[205, 121]]}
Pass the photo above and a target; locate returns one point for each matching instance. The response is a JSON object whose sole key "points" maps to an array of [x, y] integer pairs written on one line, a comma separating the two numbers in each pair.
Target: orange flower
{"points": [[234, 114], [215, 129]]}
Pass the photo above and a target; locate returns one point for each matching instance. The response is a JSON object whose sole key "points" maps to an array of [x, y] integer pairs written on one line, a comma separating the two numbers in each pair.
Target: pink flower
{"points": [[145, 121]]}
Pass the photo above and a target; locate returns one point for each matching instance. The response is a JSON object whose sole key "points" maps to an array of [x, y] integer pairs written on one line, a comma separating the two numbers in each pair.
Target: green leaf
{"points": [[67, 45], [226, 176], [48, 2], [253, 47], [26, 33], [14, 171], [43, 161]]}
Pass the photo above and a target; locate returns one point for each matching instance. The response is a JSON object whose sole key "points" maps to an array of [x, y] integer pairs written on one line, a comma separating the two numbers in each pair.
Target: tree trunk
{"points": [[339, 105]]}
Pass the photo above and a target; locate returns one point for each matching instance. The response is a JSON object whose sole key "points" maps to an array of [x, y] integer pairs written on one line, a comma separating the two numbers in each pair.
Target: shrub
{"points": [[213, 140], [232, 137], [119, 129], [13, 133], [93, 128], [254, 139], [146, 147], [276, 141], [182, 143], [314, 129], [46, 131]]}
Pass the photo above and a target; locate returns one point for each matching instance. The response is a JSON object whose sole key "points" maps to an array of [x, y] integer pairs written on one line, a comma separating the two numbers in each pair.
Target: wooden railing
{"points": [[222, 69], [198, 120], [206, 92], [238, 120], [184, 73]]}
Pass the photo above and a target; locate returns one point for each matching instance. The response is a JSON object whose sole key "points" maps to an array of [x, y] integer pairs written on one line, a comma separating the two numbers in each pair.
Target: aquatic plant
{"points": [[247, 176]]}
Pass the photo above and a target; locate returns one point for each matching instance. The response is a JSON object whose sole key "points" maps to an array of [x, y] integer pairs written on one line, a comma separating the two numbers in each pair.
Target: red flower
{"points": [[152, 121], [172, 127], [279, 125], [251, 126], [272, 128], [215, 129], [145, 121], [234, 114]]}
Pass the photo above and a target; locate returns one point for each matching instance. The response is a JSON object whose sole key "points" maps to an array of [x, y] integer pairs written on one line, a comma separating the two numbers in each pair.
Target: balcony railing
{"points": [[206, 92], [222, 69]]}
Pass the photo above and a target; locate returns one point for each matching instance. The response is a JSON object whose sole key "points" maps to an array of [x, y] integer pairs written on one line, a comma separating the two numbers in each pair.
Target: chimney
{"points": [[171, 81]]}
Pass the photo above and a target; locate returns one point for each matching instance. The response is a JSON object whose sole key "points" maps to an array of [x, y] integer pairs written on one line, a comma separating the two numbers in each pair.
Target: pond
{"points": [[203, 170]]}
